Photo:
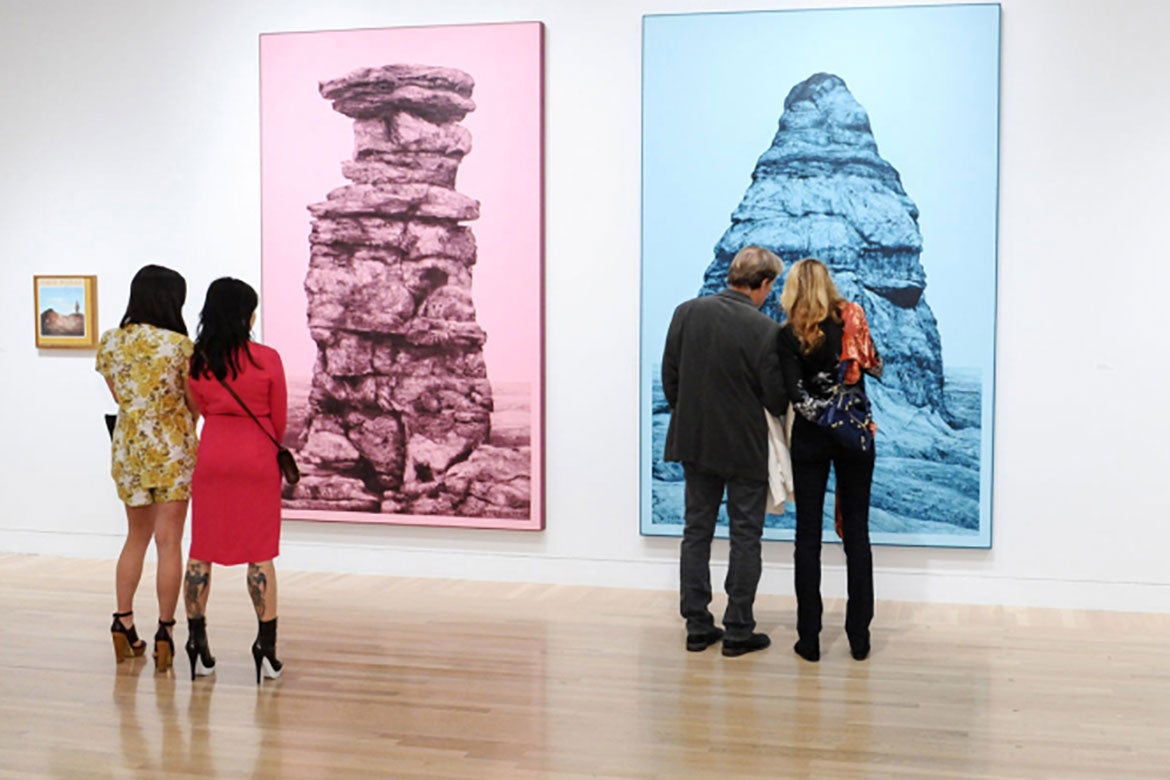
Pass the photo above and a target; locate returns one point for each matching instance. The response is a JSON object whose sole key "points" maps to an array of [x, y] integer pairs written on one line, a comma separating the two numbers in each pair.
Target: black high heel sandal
{"points": [[127, 645], [198, 652], [164, 646], [264, 652]]}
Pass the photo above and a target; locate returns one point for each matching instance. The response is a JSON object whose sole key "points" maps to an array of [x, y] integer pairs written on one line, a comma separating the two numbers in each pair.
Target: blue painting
{"points": [[869, 139]]}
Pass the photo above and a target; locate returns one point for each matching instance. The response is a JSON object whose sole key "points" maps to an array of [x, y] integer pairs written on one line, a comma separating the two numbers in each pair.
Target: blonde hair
{"points": [[752, 266], [809, 296]]}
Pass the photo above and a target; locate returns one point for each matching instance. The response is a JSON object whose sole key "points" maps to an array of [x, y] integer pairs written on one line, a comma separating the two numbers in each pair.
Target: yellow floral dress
{"points": [[153, 450]]}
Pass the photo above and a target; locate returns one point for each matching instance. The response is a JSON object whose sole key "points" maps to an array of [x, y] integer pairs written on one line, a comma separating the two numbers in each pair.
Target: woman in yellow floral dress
{"points": [[145, 362]]}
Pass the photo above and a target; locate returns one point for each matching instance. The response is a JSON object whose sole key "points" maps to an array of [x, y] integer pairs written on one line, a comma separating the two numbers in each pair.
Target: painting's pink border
{"points": [[303, 143]]}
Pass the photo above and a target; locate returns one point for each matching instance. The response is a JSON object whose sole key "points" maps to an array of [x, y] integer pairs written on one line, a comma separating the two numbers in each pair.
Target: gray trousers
{"points": [[746, 499]]}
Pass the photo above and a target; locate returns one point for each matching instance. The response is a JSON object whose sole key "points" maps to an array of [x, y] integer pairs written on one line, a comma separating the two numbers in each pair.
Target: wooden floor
{"points": [[411, 678]]}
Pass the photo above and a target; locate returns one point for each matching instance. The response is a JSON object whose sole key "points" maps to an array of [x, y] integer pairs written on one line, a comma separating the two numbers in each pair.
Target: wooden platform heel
{"points": [[127, 645], [164, 646]]}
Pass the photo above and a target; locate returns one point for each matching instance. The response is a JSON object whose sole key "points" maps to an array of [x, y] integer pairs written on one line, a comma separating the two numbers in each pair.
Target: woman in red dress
{"points": [[235, 492]]}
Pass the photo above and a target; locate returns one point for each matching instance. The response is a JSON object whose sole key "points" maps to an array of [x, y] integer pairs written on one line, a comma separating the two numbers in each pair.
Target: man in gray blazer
{"points": [[720, 370]]}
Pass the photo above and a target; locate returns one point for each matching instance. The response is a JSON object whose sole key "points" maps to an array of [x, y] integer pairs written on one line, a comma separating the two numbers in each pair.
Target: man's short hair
{"points": [[752, 266]]}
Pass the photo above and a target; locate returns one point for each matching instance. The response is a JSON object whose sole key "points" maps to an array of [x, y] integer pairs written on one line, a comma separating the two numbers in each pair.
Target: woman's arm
{"points": [[790, 363], [189, 397], [103, 363], [278, 397], [192, 402], [790, 367], [188, 349]]}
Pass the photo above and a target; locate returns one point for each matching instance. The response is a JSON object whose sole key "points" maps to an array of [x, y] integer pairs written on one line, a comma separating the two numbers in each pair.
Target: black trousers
{"points": [[746, 499], [813, 451]]}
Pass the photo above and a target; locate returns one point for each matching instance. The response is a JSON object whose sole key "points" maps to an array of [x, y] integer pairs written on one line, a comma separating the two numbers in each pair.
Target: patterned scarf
{"points": [[856, 345]]}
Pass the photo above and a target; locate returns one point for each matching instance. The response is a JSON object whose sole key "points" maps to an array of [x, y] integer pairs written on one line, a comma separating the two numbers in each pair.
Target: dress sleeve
{"points": [[278, 396], [102, 362], [186, 350]]}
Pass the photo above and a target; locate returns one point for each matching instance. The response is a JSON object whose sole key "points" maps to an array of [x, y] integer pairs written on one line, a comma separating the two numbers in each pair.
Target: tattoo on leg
{"points": [[194, 586], [257, 587]]}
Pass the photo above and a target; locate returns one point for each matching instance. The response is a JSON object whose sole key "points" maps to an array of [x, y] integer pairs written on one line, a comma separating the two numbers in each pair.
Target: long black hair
{"points": [[225, 327], [157, 295]]}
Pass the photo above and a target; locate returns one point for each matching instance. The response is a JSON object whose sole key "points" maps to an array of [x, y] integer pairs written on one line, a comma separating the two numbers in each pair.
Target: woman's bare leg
{"points": [[140, 529], [169, 518]]}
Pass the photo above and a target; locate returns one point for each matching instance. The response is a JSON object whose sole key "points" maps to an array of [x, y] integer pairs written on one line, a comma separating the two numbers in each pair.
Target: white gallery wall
{"points": [[129, 133]]}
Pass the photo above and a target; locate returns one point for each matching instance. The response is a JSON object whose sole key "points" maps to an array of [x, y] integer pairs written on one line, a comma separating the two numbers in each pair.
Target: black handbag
{"points": [[288, 466], [847, 417], [284, 458]]}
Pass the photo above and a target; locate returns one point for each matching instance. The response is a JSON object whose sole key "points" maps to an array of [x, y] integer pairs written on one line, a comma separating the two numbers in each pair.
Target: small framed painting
{"points": [[66, 311]]}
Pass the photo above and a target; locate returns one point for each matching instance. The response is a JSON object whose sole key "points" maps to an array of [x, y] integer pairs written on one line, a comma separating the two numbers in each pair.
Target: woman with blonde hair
{"points": [[825, 343]]}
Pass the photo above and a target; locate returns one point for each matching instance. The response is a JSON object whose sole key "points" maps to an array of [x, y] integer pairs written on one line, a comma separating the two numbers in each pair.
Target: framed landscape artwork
{"points": [[402, 260], [66, 312], [869, 139]]}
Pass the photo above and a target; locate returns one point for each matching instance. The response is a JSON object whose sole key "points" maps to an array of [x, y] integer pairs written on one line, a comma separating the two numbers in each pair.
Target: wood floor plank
{"points": [[416, 678]]}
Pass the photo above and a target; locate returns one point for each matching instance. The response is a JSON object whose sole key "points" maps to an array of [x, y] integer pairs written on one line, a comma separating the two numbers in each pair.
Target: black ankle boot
{"points": [[198, 652], [264, 652], [164, 646]]}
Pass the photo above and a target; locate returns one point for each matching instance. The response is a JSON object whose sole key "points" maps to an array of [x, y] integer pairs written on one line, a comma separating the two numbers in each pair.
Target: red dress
{"points": [[235, 492]]}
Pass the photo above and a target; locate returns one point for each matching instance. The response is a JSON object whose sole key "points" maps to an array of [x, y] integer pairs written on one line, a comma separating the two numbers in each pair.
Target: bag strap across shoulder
{"points": [[244, 406]]}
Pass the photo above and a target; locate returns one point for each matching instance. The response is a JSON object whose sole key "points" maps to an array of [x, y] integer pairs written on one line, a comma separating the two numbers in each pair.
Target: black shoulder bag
{"points": [[284, 458]]}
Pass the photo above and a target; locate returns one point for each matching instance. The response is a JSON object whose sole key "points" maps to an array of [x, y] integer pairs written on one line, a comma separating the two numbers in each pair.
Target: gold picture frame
{"points": [[65, 309]]}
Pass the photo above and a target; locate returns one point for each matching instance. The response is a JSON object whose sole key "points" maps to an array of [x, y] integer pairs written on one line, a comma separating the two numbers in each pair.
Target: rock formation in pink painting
{"points": [[399, 413]]}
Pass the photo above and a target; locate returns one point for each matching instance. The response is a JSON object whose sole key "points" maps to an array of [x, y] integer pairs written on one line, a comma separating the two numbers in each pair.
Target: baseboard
{"points": [[649, 573]]}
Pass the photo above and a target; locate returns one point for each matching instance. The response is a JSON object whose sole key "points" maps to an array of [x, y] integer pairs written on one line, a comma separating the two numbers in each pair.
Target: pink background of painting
{"points": [[304, 141]]}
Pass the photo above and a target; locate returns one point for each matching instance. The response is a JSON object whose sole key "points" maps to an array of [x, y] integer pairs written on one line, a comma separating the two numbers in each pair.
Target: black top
{"points": [[720, 370], [809, 379]]}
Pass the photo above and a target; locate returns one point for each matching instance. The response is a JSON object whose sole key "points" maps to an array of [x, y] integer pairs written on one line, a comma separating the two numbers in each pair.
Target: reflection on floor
{"points": [[438, 678]]}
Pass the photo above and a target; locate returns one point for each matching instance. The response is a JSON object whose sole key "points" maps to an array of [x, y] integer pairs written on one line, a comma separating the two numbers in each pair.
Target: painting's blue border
{"points": [[982, 540]]}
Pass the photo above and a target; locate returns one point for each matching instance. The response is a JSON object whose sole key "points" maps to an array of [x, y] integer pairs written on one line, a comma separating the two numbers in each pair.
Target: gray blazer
{"points": [[720, 370]]}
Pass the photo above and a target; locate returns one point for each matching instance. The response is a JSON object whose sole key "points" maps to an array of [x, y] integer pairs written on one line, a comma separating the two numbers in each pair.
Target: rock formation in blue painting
{"points": [[822, 190]]}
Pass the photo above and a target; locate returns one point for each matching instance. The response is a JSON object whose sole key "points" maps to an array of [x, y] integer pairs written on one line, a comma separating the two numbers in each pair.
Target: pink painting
{"points": [[402, 263]]}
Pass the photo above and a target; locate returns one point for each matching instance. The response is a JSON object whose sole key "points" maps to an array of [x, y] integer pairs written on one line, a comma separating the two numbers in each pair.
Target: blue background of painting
{"points": [[61, 299], [928, 76]]}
